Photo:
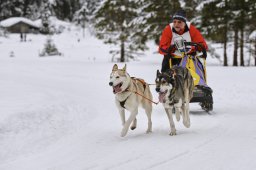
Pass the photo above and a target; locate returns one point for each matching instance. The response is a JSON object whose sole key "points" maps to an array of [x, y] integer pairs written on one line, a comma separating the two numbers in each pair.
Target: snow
{"points": [[14, 20], [53, 21], [201, 5], [253, 35], [58, 113]]}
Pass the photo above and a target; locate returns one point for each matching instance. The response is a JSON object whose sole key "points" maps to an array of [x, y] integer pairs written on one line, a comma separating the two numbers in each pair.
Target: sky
{"points": [[58, 112]]}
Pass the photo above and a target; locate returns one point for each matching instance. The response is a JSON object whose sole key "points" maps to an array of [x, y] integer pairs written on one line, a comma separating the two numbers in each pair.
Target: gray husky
{"points": [[129, 94], [175, 88]]}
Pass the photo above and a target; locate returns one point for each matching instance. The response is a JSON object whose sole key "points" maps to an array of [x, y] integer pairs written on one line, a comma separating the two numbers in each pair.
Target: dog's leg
{"points": [[128, 122], [183, 110], [184, 115], [172, 125], [187, 115], [178, 110], [134, 124], [148, 111], [177, 113], [147, 106], [186, 119], [122, 115]]}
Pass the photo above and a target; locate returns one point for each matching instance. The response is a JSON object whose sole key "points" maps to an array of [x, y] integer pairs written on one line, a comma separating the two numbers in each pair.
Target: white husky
{"points": [[129, 94]]}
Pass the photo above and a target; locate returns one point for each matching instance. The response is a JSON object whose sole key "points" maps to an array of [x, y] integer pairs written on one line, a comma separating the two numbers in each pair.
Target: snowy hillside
{"points": [[58, 113]]}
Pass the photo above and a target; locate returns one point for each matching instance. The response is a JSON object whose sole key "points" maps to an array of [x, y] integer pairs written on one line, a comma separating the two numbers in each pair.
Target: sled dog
{"points": [[130, 93], [175, 88]]}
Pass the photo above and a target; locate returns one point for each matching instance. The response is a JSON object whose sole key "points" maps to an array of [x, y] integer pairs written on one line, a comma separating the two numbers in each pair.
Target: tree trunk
{"points": [[255, 51], [225, 40], [122, 57], [225, 37], [242, 48], [235, 63], [225, 54]]}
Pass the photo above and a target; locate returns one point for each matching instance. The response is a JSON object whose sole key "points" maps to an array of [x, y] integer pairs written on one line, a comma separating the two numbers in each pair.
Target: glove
{"points": [[192, 50], [172, 49], [200, 47]]}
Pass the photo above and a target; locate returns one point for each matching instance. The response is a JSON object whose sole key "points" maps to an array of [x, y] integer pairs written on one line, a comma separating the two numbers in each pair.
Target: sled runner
{"points": [[195, 61]]}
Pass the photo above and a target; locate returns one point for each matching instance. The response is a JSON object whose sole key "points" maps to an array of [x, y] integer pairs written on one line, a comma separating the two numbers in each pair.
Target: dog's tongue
{"points": [[117, 89], [161, 97]]}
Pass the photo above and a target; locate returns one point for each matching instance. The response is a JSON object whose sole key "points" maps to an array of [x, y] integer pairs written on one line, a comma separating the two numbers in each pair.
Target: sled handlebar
{"points": [[196, 45]]}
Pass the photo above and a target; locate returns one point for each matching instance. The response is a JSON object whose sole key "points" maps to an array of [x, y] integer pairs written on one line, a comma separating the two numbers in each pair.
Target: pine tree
{"points": [[30, 8], [62, 9], [216, 23], [35, 9], [46, 13], [87, 9], [16, 8], [238, 7], [190, 7], [49, 48], [242, 17], [4, 12], [251, 15], [26, 8], [252, 22], [223, 7], [85, 15], [65, 9], [156, 15], [10, 8], [116, 23]]}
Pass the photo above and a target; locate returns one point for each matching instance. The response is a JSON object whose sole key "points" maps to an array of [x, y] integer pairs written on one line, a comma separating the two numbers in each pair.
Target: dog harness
{"points": [[172, 98], [122, 103], [141, 81]]}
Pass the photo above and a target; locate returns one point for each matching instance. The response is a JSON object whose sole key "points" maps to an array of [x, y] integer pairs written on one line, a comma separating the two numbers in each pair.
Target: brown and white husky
{"points": [[126, 90]]}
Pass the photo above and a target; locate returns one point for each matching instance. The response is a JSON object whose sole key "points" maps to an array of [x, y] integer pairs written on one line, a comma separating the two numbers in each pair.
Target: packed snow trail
{"points": [[59, 114]]}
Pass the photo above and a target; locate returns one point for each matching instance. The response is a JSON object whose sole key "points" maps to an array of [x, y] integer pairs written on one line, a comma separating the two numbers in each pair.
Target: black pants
{"points": [[166, 65]]}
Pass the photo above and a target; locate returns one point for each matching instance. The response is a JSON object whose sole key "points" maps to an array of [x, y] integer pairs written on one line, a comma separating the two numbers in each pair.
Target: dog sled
{"points": [[195, 62]]}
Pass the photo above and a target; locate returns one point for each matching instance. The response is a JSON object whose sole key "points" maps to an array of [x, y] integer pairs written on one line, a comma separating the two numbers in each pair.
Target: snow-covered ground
{"points": [[58, 113]]}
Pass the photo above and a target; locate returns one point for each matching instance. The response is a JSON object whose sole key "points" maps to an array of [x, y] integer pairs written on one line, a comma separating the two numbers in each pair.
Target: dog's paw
{"points": [[124, 132], [149, 131], [186, 124], [173, 133]]}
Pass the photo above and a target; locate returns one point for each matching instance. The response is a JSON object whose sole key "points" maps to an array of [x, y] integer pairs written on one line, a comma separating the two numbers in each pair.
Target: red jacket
{"points": [[166, 38]]}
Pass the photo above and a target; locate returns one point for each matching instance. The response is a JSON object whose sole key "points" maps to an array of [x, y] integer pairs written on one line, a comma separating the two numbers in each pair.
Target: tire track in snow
{"points": [[219, 131], [169, 159], [122, 163]]}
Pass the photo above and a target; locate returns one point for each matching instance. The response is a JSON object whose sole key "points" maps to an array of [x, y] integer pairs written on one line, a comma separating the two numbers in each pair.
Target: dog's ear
{"points": [[124, 69], [172, 73], [115, 67], [157, 73]]}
